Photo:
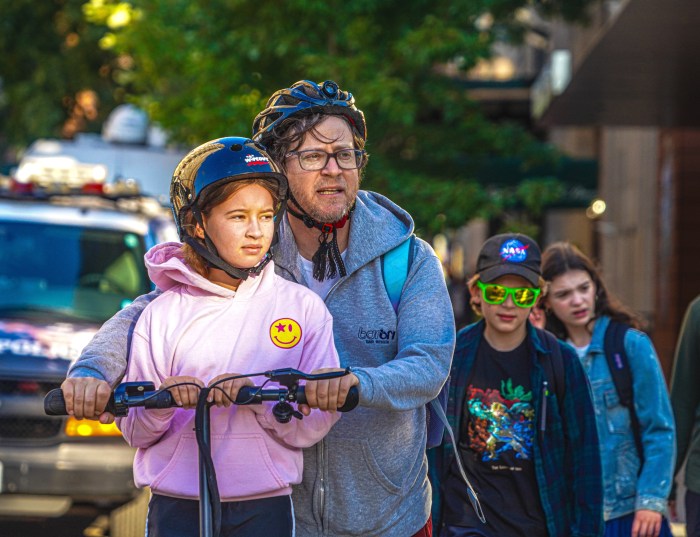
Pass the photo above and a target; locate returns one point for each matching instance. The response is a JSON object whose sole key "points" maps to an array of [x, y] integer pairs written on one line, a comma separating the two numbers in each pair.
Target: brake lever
{"points": [[290, 377]]}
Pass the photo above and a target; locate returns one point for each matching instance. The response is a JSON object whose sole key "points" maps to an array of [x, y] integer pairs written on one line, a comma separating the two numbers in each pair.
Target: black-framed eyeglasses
{"points": [[313, 160]]}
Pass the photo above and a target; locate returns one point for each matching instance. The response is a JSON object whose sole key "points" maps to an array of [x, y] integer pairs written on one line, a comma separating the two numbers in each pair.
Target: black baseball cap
{"points": [[509, 253]]}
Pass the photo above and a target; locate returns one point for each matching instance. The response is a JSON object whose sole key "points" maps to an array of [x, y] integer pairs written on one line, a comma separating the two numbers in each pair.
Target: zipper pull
{"points": [[543, 415]]}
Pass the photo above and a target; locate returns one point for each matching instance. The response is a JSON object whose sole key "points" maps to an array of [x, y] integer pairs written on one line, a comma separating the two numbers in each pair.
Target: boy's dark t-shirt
{"points": [[496, 446]]}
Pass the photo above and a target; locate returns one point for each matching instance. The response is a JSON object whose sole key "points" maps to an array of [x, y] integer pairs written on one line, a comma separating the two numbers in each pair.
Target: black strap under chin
{"points": [[216, 261]]}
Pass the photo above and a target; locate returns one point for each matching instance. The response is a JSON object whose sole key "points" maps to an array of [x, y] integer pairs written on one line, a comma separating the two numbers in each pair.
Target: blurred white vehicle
{"points": [[128, 152]]}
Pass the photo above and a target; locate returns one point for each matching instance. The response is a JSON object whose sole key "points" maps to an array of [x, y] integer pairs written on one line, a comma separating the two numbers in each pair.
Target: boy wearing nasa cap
{"points": [[522, 413]]}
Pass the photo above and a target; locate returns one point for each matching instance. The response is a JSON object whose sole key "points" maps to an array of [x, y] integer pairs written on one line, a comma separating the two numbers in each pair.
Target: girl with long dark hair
{"points": [[637, 467]]}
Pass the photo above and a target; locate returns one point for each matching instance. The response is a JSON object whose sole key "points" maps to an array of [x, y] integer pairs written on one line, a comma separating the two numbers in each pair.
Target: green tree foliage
{"points": [[49, 56], [204, 69]]}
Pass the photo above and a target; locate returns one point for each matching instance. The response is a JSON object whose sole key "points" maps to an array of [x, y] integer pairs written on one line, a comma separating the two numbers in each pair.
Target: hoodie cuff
{"points": [[85, 372], [365, 388]]}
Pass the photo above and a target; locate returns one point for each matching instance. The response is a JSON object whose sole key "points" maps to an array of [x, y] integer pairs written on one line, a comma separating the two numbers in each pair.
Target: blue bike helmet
{"points": [[306, 97], [218, 162]]}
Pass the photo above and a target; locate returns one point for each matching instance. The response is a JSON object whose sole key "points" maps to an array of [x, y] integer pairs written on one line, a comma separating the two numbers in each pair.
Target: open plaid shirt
{"points": [[566, 453]]}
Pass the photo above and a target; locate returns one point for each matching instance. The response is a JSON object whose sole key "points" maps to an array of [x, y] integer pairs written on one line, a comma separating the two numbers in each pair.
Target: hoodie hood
{"points": [[391, 224], [167, 268]]}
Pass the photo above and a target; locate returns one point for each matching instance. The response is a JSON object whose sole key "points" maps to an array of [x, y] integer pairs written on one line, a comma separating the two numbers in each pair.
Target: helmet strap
{"points": [[327, 261]]}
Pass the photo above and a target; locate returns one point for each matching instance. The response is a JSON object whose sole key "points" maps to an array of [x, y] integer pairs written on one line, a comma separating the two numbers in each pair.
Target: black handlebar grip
{"points": [[251, 395], [54, 403], [351, 401], [162, 399]]}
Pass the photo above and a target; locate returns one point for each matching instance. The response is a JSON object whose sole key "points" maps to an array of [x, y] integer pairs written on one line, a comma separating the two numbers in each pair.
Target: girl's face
{"points": [[571, 297], [505, 319], [242, 227]]}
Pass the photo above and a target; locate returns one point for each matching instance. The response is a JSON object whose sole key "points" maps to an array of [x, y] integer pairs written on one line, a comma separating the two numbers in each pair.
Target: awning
{"points": [[644, 70]]}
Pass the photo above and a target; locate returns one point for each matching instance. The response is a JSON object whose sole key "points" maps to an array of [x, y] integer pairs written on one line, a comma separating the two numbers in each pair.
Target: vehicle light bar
{"points": [[85, 428]]}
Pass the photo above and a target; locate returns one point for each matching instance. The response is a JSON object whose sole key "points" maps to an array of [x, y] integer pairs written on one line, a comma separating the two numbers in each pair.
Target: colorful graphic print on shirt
{"points": [[501, 422]]}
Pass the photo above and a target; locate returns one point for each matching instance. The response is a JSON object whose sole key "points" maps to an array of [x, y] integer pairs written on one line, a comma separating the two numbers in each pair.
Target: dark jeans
{"points": [[692, 513], [268, 517], [457, 531]]}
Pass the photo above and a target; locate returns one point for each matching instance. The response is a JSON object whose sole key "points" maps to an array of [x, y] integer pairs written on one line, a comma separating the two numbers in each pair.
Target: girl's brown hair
{"points": [[210, 197], [562, 257]]}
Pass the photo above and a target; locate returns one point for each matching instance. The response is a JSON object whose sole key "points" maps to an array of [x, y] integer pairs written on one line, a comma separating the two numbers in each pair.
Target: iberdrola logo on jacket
{"points": [[285, 333]]}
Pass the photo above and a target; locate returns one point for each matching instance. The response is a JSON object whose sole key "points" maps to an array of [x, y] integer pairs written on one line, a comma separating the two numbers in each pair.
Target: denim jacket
{"points": [[627, 487], [567, 462]]}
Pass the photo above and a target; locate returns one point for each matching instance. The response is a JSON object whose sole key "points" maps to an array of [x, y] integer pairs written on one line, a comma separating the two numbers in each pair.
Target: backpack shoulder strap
{"points": [[395, 266], [618, 363], [614, 346], [555, 365]]}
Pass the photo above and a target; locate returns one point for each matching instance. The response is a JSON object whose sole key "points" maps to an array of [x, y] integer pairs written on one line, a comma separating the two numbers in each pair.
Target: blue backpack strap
{"points": [[395, 265]]}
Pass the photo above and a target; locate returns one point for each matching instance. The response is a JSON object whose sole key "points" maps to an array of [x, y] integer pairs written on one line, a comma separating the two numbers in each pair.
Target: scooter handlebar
{"points": [[55, 404]]}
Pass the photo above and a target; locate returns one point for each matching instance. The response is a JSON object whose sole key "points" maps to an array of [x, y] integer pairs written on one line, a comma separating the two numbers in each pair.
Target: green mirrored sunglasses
{"points": [[523, 297]]}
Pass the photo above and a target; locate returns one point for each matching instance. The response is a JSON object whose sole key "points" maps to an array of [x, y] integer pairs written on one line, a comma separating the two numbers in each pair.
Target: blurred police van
{"points": [[71, 255], [128, 151]]}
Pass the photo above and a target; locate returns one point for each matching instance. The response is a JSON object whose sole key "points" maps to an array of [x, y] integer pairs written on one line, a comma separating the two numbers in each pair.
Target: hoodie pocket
{"points": [[242, 462], [363, 478]]}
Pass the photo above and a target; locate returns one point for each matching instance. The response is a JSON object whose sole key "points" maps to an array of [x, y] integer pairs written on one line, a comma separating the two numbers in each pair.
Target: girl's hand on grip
{"points": [[185, 395], [225, 393]]}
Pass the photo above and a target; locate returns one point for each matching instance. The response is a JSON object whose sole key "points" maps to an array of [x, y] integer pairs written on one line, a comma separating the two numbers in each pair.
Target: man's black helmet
{"points": [[306, 97], [221, 160]]}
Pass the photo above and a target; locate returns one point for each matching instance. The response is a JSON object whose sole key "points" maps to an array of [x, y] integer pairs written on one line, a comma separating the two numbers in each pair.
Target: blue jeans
{"points": [[457, 531]]}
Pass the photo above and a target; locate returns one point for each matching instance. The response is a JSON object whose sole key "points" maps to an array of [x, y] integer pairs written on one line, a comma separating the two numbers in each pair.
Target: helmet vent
{"points": [[236, 147], [330, 88]]}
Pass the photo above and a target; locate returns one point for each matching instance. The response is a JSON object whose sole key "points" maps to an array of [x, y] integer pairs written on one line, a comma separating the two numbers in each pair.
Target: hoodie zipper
{"points": [[322, 484], [543, 414]]}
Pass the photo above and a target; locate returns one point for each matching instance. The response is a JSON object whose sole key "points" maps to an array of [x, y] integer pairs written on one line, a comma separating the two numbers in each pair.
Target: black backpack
{"points": [[618, 363], [619, 366]]}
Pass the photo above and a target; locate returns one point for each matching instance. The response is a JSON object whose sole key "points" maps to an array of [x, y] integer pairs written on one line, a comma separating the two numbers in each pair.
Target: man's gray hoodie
{"points": [[368, 477]]}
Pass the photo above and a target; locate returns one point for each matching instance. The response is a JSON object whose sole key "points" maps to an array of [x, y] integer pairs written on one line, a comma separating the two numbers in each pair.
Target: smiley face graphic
{"points": [[285, 333]]}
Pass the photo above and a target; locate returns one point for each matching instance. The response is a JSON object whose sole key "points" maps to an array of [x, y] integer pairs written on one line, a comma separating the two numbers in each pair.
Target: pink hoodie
{"points": [[201, 329]]}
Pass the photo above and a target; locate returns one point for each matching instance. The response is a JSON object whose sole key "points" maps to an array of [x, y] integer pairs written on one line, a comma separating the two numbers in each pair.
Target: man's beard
{"points": [[321, 215]]}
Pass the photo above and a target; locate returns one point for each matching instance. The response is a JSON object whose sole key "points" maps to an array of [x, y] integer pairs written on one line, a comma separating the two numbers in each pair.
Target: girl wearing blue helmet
{"points": [[223, 310]]}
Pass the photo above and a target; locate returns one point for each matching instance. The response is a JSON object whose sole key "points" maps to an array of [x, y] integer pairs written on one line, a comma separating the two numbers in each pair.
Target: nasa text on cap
{"points": [[509, 253]]}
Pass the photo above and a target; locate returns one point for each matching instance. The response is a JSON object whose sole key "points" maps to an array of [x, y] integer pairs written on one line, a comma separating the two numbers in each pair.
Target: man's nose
{"points": [[331, 166]]}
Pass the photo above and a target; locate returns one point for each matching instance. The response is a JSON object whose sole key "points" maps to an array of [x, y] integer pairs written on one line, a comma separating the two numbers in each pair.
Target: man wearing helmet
{"points": [[368, 477]]}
